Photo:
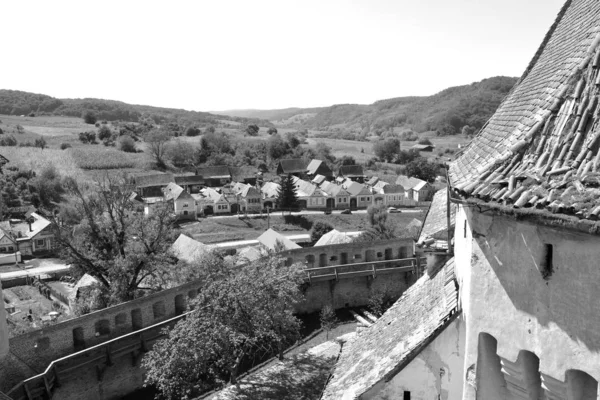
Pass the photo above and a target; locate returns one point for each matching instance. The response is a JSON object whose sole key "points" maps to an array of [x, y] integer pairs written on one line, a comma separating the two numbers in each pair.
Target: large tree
{"points": [[422, 169], [287, 198], [239, 315], [157, 140], [101, 234], [379, 226]]}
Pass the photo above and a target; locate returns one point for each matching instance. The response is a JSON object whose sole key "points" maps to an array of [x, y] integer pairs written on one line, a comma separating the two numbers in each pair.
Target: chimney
{"points": [[29, 222]]}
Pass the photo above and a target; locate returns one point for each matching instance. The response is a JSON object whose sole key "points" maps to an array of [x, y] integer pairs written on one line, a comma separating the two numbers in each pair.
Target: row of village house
{"points": [[224, 190]]}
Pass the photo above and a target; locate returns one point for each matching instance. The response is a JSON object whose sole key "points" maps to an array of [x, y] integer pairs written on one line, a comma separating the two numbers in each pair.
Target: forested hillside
{"points": [[446, 112], [14, 102]]}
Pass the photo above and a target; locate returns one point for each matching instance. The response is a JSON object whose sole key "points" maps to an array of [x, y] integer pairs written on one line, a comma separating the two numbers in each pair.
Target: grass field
{"points": [[214, 230]]}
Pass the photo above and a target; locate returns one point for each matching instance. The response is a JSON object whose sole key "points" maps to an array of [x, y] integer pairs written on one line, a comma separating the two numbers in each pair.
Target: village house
{"points": [[212, 201], [415, 188], [275, 241], [8, 244], [309, 195], [270, 191], [33, 236], [190, 183], [372, 181], [352, 172], [151, 184], [184, 205], [338, 197], [249, 197], [293, 166], [394, 195], [246, 174], [3, 162], [215, 176], [318, 167], [318, 180], [360, 195]]}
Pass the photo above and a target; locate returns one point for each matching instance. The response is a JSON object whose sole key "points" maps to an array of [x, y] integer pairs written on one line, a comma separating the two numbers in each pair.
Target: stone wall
{"points": [[529, 294]]}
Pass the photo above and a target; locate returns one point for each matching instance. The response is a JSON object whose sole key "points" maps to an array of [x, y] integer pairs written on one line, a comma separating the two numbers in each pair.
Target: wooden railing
{"points": [[102, 355], [368, 268]]}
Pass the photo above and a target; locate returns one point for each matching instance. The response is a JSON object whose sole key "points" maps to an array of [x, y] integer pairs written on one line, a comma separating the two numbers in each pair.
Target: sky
{"points": [[212, 55]]}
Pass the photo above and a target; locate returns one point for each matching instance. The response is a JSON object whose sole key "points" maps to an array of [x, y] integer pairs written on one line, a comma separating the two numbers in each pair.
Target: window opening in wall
{"points": [[333, 258], [158, 309], [406, 395], [78, 340], [102, 327], [547, 266], [136, 319], [465, 229]]}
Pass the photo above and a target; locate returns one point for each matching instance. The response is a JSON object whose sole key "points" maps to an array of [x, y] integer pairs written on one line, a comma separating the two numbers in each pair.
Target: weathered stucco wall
{"points": [[510, 308], [436, 373]]}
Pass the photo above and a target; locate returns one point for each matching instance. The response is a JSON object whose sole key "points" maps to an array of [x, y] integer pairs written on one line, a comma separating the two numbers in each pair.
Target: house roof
{"points": [[314, 165], [306, 189], [356, 189], [388, 189], [292, 166], [408, 183], [242, 173], [211, 195], [318, 179], [22, 231], [86, 280], [540, 147], [373, 181], [5, 231], [187, 249], [245, 190], [189, 180], [351, 170], [414, 228], [333, 237], [436, 221], [270, 189], [153, 179], [3, 160], [333, 190], [420, 185], [175, 192], [214, 172], [423, 146], [270, 239], [383, 349]]}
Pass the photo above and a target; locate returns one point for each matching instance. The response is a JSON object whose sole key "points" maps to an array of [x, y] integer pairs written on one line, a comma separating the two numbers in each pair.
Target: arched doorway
{"points": [[378, 200], [353, 203], [330, 203], [180, 305], [322, 260], [208, 210], [235, 208]]}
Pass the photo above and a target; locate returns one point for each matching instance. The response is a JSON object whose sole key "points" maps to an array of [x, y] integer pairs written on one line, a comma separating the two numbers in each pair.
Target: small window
{"points": [[547, 266], [185, 212], [357, 256], [185, 205], [406, 395], [379, 254], [2, 249], [333, 258], [39, 242], [10, 248]]}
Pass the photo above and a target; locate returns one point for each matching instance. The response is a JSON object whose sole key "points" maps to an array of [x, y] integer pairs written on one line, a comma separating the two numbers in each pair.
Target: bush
{"points": [[89, 117], [126, 144], [64, 146], [425, 141], [104, 133], [10, 140], [192, 131], [409, 136]]}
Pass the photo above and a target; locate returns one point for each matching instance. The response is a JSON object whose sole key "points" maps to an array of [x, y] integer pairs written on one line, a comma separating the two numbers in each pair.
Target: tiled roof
{"points": [[540, 148], [153, 179], [351, 170], [383, 349], [312, 166], [214, 172], [356, 189], [378, 187], [3, 160], [212, 195], [22, 230], [292, 166], [318, 179], [334, 190], [270, 189], [174, 192], [189, 180], [333, 237], [241, 173], [436, 221], [373, 181], [408, 183], [5, 230], [413, 228], [387, 189], [270, 239], [306, 189], [422, 146], [188, 249]]}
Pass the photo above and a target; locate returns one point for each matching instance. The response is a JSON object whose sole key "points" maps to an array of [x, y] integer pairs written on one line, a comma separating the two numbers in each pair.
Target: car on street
{"points": [[346, 211], [392, 210]]}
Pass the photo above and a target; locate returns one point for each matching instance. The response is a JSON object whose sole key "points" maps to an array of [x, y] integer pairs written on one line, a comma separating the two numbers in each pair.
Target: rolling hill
{"points": [[15, 102], [446, 112]]}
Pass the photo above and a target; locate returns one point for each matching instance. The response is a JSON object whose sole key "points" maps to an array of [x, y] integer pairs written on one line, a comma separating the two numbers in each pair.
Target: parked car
{"points": [[346, 211], [392, 210], [328, 211]]}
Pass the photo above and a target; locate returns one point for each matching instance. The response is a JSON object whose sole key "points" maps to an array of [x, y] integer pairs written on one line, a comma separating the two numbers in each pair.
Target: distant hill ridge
{"points": [[16, 102], [446, 112]]}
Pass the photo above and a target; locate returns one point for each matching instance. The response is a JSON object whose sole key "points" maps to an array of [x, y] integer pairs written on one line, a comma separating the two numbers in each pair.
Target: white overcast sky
{"points": [[219, 55]]}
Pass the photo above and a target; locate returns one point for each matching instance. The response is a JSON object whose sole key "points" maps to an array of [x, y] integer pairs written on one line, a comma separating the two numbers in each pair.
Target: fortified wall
{"points": [[344, 275]]}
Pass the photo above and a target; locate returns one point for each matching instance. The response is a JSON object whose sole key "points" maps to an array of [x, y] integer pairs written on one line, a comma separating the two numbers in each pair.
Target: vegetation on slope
{"points": [[14, 102]]}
